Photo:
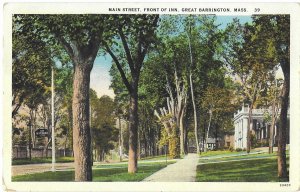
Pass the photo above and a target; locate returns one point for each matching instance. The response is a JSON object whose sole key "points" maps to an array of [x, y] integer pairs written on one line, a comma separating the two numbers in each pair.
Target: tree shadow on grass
{"points": [[99, 175], [259, 170]]}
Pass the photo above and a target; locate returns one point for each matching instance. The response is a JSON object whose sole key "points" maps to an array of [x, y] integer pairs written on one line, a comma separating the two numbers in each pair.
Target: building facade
{"points": [[259, 128]]}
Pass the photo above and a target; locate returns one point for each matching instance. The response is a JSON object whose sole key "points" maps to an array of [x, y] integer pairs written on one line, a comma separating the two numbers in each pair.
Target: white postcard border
{"points": [[75, 8]]}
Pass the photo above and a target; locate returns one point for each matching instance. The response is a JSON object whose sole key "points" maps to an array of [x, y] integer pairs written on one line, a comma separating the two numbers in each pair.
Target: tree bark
{"points": [[133, 132], [181, 125], [81, 128], [272, 126], [282, 129], [47, 146], [192, 94], [249, 126], [195, 115]]}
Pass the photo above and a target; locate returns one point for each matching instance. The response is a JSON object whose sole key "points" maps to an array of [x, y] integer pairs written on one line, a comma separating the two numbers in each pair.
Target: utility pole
{"points": [[52, 120]]}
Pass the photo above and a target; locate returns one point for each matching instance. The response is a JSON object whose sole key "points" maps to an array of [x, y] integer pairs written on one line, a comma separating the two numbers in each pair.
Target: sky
{"points": [[100, 78]]}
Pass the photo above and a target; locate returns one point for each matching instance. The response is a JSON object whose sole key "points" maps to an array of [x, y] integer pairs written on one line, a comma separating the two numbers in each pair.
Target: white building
{"points": [[260, 128]]}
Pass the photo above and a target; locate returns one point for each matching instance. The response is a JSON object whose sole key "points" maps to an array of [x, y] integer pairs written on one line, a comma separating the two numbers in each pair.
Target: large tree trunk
{"points": [[272, 126], [186, 141], [195, 115], [81, 128], [49, 140], [249, 127], [32, 127], [192, 94], [133, 132], [181, 128], [282, 129]]}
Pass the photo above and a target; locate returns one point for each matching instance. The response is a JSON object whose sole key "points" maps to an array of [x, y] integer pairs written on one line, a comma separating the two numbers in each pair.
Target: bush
{"points": [[174, 148], [238, 149], [231, 149], [265, 143]]}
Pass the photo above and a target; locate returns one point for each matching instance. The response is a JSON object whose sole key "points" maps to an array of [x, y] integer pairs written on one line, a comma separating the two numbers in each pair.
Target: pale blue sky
{"points": [[100, 78]]}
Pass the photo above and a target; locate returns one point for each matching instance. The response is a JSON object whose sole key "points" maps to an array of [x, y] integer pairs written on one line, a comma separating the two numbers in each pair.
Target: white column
{"points": [[245, 124]]}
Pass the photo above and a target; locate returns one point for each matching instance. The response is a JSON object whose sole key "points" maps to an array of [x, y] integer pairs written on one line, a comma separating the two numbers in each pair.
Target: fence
{"points": [[23, 152]]}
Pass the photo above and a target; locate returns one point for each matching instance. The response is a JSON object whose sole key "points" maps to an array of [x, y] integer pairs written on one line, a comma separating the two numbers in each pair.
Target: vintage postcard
{"points": [[139, 96]]}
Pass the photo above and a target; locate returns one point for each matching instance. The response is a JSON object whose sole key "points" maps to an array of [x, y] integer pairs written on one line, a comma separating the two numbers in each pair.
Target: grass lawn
{"points": [[240, 157], [41, 160], [99, 174], [215, 153], [70, 159], [254, 170], [154, 158]]}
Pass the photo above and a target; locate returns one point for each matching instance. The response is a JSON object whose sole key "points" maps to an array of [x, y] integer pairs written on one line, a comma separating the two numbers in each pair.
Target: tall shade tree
{"points": [[103, 122], [172, 117], [189, 35], [252, 63], [275, 29], [134, 35], [31, 67], [220, 104], [80, 37]]}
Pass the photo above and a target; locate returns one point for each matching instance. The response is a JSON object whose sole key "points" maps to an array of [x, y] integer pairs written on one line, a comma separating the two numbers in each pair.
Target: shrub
{"points": [[238, 149], [174, 148], [231, 149], [265, 143]]}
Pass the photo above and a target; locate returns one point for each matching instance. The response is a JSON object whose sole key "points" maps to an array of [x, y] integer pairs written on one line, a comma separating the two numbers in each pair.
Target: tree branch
{"points": [[127, 51], [92, 49], [66, 45], [125, 80]]}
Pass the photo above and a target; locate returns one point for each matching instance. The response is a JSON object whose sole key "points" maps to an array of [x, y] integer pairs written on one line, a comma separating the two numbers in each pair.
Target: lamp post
{"points": [[52, 119]]}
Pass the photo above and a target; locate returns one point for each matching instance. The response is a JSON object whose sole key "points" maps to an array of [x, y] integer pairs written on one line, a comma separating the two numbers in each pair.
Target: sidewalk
{"points": [[183, 170]]}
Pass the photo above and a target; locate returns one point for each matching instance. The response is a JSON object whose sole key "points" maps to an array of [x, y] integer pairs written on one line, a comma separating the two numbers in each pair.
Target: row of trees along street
{"points": [[177, 79]]}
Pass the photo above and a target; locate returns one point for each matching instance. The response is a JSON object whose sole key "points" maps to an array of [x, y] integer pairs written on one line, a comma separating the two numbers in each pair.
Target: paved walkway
{"points": [[183, 170]]}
